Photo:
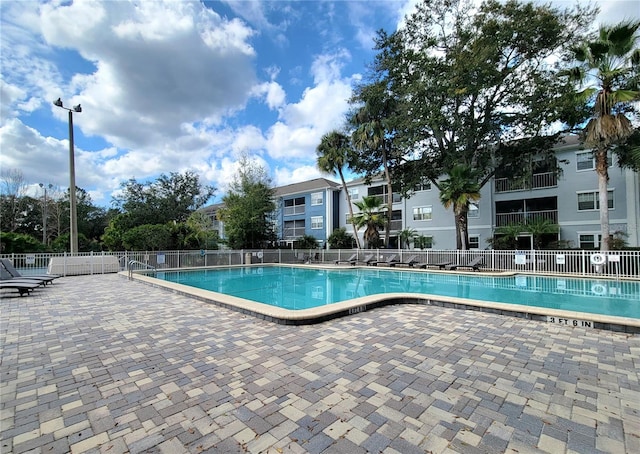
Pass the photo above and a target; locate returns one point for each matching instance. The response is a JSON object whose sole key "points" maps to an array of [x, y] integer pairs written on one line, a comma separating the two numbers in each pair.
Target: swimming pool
{"points": [[307, 288]]}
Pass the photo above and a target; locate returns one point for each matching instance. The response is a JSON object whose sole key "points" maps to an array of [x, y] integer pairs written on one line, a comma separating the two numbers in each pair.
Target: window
{"points": [[585, 160], [353, 193], [473, 210], [396, 220], [589, 200], [423, 242], [474, 241], [590, 241], [424, 185], [294, 229], [294, 206], [316, 198], [381, 191], [317, 222], [422, 213]]}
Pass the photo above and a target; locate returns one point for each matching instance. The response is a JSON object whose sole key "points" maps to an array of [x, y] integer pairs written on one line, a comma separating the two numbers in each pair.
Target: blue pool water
{"points": [[302, 288]]}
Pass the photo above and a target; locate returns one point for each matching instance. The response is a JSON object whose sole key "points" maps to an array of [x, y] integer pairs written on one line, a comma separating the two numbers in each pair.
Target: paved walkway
{"points": [[102, 364]]}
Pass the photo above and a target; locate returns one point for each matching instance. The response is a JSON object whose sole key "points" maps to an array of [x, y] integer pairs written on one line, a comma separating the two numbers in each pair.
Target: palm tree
{"points": [[539, 227], [611, 60], [371, 216], [373, 136], [333, 155], [405, 236], [459, 190]]}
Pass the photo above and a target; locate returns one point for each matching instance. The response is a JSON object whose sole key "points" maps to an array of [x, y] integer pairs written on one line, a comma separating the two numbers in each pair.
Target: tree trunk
{"points": [[603, 197], [389, 199], [462, 232], [353, 224]]}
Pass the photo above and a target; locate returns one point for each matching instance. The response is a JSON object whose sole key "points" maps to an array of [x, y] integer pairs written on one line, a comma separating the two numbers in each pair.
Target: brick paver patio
{"points": [[102, 364]]}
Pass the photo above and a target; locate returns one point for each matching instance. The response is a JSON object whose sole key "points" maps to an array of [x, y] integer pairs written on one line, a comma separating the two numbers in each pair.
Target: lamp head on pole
{"points": [[77, 108], [58, 102]]}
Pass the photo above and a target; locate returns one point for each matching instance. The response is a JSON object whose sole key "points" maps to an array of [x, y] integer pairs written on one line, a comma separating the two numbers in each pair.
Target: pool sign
{"points": [[560, 260], [30, 259], [520, 258], [569, 322]]}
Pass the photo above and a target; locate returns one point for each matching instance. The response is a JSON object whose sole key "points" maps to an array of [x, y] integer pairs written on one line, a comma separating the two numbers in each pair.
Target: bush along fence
{"points": [[617, 264]]}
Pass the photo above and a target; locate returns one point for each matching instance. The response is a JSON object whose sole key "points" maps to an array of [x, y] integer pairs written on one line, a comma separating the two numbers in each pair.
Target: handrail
{"points": [[143, 265]]}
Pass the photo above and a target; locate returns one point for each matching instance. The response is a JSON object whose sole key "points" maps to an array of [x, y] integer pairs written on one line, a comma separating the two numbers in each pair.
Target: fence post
{"points": [[534, 259]]}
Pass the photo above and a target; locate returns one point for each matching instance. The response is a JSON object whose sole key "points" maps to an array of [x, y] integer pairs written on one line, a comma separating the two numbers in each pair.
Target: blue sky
{"points": [[181, 85]]}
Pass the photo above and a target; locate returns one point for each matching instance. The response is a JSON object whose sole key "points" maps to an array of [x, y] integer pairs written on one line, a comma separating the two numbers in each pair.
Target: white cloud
{"points": [[273, 93], [41, 159], [248, 138], [169, 86], [284, 176], [11, 95], [157, 64], [295, 136]]}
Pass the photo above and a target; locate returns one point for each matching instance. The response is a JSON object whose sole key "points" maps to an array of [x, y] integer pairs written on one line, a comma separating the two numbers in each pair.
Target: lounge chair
{"points": [[23, 287], [367, 260], [389, 260], [6, 277], [411, 262], [8, 265], [441, 264], [474, 264], [351, 260]]}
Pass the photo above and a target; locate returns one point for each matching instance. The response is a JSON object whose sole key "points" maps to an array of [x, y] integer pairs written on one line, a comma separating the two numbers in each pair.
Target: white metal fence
{"points": [[623, 264]]}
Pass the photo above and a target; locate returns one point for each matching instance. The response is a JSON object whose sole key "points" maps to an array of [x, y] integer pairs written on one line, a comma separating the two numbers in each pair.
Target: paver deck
{"points": [[103, 364]]}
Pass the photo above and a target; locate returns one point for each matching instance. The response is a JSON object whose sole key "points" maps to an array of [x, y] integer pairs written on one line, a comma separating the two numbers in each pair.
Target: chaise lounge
{"points": [[410, 263], [368, 260], [7, 265], [441, 264], [351, 260], [6, 277], [474, 264], [389, 261], [23, 287]]}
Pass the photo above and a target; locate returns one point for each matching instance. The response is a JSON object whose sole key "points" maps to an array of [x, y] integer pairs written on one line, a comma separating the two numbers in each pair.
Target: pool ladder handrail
{"points": [[144, 266]]}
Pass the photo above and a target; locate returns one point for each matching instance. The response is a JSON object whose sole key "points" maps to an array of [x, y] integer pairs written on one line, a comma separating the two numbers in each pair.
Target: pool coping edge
{"points": [[365, 303]]}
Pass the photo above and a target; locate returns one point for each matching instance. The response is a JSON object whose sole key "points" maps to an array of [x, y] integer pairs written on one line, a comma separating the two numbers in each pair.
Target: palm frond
{"points": [[621, 38], [607, 129]]}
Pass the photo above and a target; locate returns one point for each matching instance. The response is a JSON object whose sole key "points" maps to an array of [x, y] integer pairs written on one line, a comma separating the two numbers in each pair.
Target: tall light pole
{"points": [[72, 179], [44, 213]]}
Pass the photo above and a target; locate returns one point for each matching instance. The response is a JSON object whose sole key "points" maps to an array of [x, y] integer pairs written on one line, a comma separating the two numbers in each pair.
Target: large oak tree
{"points": [[477, 86]]}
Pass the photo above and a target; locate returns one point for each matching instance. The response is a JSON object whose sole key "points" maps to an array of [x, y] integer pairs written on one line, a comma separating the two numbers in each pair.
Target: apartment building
{"points": [[307, 208], [570, 200]]}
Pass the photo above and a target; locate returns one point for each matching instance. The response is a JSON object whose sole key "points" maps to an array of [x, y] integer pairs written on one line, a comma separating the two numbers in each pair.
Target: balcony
{"points": [[384, 199], [294, 210], [395, 225], [293, 233], [503, 219], [537, 181]]}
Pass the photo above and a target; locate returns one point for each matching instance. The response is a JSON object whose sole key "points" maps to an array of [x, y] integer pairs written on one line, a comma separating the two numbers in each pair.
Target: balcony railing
{"points": [[395, 198], [537, 181], [503, 219], [291, 211], [394, 225], [292, 234]]}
